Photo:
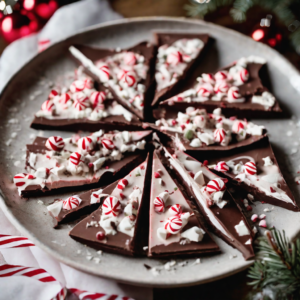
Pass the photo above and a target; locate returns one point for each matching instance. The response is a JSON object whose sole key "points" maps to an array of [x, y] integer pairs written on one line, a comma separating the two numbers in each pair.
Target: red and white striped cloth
{"points": [[84, 295], [8, 241]]}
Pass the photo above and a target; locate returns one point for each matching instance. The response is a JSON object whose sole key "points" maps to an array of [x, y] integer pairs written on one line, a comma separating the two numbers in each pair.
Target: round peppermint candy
{"points": [[81, 101], [175, 210], [75, 158], [71, 202], [219, 135], [63, 99], [111, 206], [222, 166], [221, 75], [244, 75], [237, 126], [233, 93], [221, 87], [174, 58], [173, 225], [48, 106], [204, 90], [97, 98], [52, 94], [122, 184], [215, 185], [108, 144], [127, 77], [80, 85], [159, 204], [20, 179], [209, 78], [104, 72], [129, 58], [55, 143], [86, 144], [250, 168]]}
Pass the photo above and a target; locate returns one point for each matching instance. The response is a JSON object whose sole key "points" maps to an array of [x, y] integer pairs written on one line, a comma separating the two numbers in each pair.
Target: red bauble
{"points": [[46, 9]]}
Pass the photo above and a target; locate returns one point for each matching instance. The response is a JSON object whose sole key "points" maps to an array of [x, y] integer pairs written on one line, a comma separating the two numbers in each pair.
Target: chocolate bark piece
{"points": [[73, 166], [194, 129], [128, 73], [267, 183], [111, 122], [177, 56], [175, 226], [213, 200], [206, 92], [123, 217]]}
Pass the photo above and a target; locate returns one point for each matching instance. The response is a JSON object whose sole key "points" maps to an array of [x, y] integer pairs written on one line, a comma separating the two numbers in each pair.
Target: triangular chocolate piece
{"points": [[214, 201], [175, 229], [120, 225], [194, 129], [237, 89], [177, 55], [256, 170], [79, 106], [126, 73], [76, 206], [64, 163]]}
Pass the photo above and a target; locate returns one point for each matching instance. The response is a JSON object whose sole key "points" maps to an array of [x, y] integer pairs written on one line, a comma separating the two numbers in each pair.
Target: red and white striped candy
{"points": [[237, 126], [174, 58], [80, 85], [215, 185], [81, 101], [205, 90], [55, 143], [234, 93], [48, 106], [111, 206], [122, 184], [129, 58], [250, 168], [209, 78], [75, 158], [127, 77], [104, 71], [173, 224], [52, 94], [20, 179], [244, 75], [86, 144], [108, 144], [221, 75], [97, 98], [219, 135], [175, 210], [159, 204], [64, 98], [222, 166], [71, 202], [221, 87]]}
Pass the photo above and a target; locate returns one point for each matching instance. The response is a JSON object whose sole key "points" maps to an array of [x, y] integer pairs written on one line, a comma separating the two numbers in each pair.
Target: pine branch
{"points": [[278, 266]]}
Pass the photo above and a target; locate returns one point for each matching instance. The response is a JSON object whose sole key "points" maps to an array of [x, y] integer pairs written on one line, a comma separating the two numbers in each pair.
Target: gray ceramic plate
{"points": [[30, 87]]}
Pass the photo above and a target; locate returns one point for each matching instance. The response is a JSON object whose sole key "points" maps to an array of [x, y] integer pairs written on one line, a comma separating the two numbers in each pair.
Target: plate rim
{"points": [[16, 223]]}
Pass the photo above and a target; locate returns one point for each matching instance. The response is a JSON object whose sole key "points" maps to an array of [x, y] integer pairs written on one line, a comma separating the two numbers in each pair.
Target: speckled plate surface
{"points": [[29, 88]]}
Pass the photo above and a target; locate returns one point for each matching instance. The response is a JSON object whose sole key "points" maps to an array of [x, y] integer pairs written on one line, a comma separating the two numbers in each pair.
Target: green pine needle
{"points": [[277, 266]]}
